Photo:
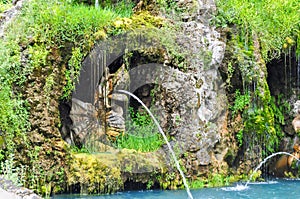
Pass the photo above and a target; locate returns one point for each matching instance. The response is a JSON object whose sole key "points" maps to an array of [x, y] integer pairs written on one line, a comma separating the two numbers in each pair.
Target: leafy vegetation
{"points": [[70, 28], [241, 102], [213, 180], [265, 121], [4, 5], [44, 31], [10, 172], [275, 22], [141, 133], [258, 32]]}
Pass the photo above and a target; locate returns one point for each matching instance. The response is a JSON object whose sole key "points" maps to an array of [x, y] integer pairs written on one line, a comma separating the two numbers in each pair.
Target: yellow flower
{"points": [[289, 40], [118, 23], [100, 34]]}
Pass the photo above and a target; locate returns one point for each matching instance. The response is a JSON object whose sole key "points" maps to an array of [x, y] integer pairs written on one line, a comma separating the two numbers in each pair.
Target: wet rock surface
{"points": [[108, 172], [10, 191]]}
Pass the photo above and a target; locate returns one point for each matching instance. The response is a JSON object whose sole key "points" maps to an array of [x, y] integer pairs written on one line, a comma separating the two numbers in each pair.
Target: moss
{"points": [[272, 21], [140, 20], [93, 175], [4, 6], [108, 172]]}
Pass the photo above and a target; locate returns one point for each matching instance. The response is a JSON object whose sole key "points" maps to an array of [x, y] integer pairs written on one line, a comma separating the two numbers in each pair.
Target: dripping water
{"points": [[298, 74], [104, 69], [290, 70], [285, 76]]}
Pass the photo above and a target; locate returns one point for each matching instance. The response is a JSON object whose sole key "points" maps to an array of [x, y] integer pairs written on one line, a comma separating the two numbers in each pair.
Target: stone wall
{"points": [[190, 99]]}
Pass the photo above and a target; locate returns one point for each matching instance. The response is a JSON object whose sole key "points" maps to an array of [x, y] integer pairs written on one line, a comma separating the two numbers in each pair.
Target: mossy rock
{"points": [[107, 172]]}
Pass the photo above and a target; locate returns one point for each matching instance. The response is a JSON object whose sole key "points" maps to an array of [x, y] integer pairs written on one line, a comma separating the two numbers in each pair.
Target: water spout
{"points": [[240, 187], [265, 160], [166, 140]]}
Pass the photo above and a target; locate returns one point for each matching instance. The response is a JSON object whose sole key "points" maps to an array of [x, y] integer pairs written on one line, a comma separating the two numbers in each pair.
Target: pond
{"points": [[272, 189]]}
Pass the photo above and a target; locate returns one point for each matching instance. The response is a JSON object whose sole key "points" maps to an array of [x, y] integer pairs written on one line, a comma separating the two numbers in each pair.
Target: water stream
{"points": [[166, 140], [240, 187], [265, 160]]}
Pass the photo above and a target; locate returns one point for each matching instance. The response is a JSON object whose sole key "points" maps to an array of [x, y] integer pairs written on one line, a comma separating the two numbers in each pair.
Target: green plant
{"points": [[197, 184], [47, 38], [10, 171], [213, 180], [5, 5], [263, 122], [239, 137], [76, 149], [74, 66], [272, 21], [149, 184], [143, 144], [49, 87], [177, 54], [217, 180], [241, 102], [141, 133], [169, 6], [122, 8], [230, 71]]}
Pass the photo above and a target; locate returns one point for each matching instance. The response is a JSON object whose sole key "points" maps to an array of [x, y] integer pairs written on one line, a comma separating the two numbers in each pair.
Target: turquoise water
{"points": [[281, 189]]}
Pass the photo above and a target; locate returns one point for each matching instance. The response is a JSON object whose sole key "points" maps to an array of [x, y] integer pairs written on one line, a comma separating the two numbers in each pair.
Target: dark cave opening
{"points": [[284, 74], [131, 185]]}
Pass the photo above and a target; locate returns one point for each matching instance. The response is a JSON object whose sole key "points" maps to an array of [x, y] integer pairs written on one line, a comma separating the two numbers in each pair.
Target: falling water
{"points": [[265, 160], [290, 69], [285, 75], [166, 140], [298, 74]]}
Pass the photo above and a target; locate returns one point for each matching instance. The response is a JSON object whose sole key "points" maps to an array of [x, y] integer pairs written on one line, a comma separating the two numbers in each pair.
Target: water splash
{"points": [[238, 187], [166, 140], [265, 160]]}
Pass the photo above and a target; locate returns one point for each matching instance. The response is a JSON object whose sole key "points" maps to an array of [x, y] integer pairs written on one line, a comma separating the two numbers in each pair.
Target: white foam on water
{"points": [[238, 187], [241, 187], [268, 182]]}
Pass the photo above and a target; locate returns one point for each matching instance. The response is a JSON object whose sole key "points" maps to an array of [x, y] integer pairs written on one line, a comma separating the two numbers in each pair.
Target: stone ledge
{"points": [[10, 191]]}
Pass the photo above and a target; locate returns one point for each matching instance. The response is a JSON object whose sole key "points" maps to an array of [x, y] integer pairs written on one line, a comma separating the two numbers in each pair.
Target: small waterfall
{"points": [[166, 140]]}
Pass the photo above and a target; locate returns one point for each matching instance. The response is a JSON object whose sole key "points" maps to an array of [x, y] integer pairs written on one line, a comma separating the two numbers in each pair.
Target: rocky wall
{"points": [[188, 95]]}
